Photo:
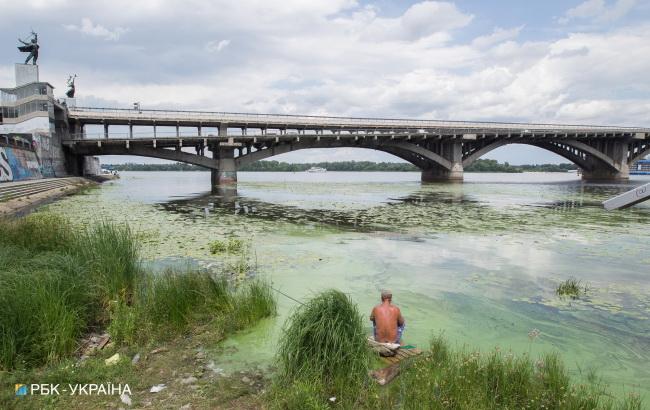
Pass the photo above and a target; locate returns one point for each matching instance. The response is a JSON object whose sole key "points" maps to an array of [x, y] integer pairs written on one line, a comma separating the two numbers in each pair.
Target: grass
{"points": [[60, 282], [323, 356], [323, 352], [572, 288], [466, 379]]}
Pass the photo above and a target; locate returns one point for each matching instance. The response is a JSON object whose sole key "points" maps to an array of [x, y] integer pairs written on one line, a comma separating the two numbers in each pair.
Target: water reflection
{"points": [[428, 209], [480, 260]]}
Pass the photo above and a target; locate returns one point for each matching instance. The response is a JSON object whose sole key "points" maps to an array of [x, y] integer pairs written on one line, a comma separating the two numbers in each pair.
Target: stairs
{"points": [[14, 190]]}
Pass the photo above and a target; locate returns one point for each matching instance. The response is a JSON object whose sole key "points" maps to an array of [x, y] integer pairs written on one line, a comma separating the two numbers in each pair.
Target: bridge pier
{"points": [[618, 170], [225, 177], [601, 174], [453, 172], [439, 174]]}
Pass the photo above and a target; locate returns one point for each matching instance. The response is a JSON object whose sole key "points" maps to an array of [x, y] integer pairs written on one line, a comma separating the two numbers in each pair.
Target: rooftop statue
{"points": [[71, 89], [30, 47]]}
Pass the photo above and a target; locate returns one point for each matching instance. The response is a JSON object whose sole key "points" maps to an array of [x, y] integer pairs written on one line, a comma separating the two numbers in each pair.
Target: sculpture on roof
{"points": [[71, 87], [30, 47]]}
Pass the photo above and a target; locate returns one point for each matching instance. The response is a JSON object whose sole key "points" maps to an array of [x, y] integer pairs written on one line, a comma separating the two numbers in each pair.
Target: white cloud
{"points": [[96, 30], [216, 46], [499, 35], [598, 11], [338, 58]]}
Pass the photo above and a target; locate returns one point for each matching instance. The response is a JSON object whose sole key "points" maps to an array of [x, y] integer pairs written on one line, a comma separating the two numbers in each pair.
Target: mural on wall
{"points": [[5, 170], [18, 164], [44, 150]]}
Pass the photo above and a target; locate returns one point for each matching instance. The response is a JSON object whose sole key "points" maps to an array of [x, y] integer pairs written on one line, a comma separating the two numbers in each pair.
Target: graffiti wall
{"points": [[18, 164]]}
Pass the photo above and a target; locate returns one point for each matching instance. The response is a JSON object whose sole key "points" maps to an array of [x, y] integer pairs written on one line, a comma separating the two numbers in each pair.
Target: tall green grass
{"points": [[464, 379], [323, 363], [60, 281], [168, 303], [323, 351]]}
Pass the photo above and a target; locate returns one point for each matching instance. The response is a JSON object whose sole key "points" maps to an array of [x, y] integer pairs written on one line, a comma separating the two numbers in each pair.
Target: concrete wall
{"points": [[17, 165], [49, 150], [92, 166]]}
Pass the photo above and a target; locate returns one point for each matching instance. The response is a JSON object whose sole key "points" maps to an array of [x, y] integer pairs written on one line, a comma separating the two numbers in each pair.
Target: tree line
{"points": [[481, 165]]}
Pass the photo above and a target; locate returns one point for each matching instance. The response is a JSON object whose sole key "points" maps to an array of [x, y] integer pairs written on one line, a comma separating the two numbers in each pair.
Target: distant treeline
{"points": [[481, 165]]}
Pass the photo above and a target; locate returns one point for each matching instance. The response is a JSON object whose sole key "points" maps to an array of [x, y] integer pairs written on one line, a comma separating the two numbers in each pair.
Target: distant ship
{"points": [[316, 169]]}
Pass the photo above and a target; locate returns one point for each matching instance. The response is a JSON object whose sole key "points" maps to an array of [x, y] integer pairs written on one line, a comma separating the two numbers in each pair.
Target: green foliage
{"points": [[58, 281], [112, 256], [252, 301], [230, 245], [480, 165], [572, 288], [491, 165], [464, 379], [324, 345]]}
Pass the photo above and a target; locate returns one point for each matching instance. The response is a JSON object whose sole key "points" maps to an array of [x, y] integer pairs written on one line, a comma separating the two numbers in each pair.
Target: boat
{"points": [[316, 169]]}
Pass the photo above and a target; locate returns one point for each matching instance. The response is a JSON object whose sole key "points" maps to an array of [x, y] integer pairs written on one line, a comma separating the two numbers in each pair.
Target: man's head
{"points": [[386, 295]]}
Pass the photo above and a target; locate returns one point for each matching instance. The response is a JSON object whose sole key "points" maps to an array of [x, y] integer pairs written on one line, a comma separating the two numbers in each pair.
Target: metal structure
{"points": [[629, 198], [441, 149]]}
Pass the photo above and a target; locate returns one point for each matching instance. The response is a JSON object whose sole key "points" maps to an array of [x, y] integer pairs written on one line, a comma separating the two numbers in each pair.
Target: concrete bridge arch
{"points": [[441, 149]]}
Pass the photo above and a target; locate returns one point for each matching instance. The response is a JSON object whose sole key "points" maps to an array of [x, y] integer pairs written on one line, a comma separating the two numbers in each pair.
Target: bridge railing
{"points": [[288, 121]]}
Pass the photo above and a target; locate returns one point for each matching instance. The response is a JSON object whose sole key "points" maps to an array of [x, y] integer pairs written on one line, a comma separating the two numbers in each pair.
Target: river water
{"points": [[478, 261]]}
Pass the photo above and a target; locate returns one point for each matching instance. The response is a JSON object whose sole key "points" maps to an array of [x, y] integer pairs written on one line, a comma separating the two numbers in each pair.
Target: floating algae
{"points": [[479, 261]]}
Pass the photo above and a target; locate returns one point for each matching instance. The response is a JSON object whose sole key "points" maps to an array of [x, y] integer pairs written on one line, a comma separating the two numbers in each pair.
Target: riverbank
{"points": [[23, 196], [63, 283]]}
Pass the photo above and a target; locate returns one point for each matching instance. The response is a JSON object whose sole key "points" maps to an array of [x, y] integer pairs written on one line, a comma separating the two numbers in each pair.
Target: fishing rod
{"points": [[287, 296]]}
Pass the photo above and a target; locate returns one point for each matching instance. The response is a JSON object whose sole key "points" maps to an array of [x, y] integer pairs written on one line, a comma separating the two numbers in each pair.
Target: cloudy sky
{"points": [[566, 61]]}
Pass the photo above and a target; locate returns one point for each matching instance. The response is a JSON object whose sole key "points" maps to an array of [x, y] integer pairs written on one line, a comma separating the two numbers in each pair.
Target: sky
{"points": [[550, 61]]}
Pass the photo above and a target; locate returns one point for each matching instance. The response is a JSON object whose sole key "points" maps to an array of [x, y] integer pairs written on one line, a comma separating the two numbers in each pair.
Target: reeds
{"points": [[324, 348], [58, 281], [572, 288], [470, 379]]}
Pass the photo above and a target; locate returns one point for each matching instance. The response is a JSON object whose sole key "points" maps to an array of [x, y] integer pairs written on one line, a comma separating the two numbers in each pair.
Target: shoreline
{"points": [[25, 196]]}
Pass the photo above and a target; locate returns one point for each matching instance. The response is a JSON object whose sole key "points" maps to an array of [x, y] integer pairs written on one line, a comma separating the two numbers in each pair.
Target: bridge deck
{"points": [[305, 122]]}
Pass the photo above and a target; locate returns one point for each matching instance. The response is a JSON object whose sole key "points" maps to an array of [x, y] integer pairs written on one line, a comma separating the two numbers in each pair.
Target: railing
{"points": [[23, 141], [287, 121]]}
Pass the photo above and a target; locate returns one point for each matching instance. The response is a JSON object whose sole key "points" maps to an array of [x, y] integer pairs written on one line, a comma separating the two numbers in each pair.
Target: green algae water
{"points": [[478, 261]]}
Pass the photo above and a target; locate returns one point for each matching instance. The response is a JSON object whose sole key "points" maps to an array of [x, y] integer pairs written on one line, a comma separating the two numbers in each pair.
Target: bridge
{"points": [[440, 149]]}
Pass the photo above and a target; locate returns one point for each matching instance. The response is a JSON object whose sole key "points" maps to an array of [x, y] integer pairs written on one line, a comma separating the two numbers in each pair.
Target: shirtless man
{"points": [[388, 323]]}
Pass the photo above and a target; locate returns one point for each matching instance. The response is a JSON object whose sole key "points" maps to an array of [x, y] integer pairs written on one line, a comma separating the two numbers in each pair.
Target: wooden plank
{"points": [[401, 355], [385, 375]]}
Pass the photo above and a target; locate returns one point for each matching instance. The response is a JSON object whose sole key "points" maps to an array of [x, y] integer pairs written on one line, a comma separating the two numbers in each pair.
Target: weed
{"points": [[572, 288]]}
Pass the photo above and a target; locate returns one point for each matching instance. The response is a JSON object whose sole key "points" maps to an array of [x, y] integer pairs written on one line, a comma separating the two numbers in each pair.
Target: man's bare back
{"points": [[387, 318]]}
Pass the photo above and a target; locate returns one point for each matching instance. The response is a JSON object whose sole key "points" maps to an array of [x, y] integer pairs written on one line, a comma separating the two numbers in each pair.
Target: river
{"points": [[478, 261]]}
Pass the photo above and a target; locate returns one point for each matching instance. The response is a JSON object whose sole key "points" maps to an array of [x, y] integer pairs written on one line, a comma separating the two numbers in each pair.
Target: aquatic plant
{"points": [[324, 345], [230, 245], [572, 288]]}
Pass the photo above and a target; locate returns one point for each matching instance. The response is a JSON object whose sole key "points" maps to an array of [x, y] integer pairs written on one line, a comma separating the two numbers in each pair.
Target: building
{"points": [[32, 123]]}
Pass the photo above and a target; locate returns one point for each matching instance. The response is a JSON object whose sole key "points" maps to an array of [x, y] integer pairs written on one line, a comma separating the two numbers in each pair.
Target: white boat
{"points": [[316, 169]]}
